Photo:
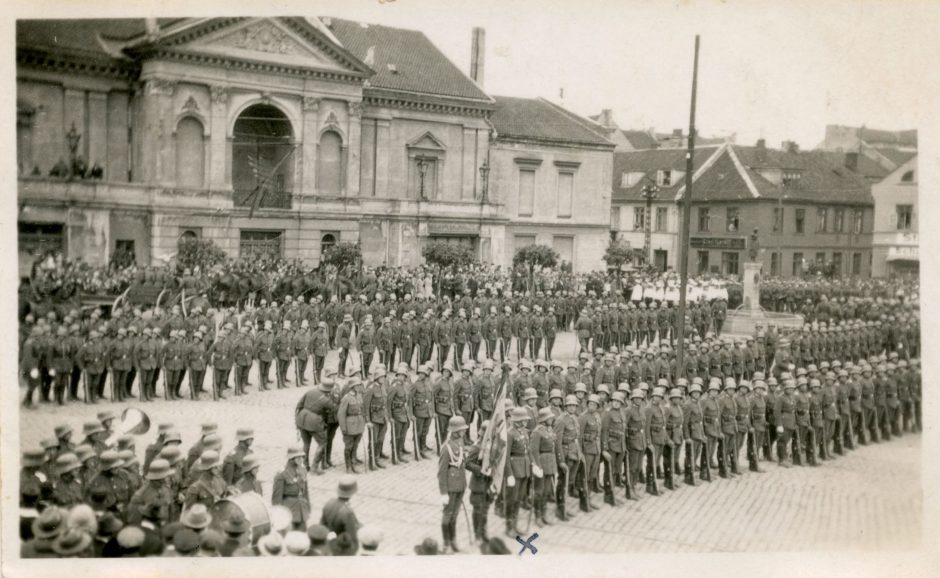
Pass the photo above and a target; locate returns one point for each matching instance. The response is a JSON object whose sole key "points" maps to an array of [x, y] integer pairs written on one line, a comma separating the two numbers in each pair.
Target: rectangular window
{"points": [[797, 264], [820, 259], [615, 218], [564, 246], [662, 217], [822, 220], [778, 220], [733, 223], [837, 264], [856, 263], [838, 221], [664, 178], [799, 221], [630, 179], [702, 262], [520, 241], [565, 194], [639, 218], [526, 192], [858, 221], [775, 263], [703, 218], [905, 217], [260, 245], [729, 263]]}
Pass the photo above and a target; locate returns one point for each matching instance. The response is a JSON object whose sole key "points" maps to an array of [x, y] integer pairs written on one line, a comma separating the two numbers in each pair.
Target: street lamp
{"points": [[484, 175], [649, 192], [423, 165]]}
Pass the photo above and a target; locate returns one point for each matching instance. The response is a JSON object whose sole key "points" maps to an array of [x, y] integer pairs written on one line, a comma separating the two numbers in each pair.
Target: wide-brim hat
{"points": [[71, 542], [49, 523], [197, 517], [236, 524]]}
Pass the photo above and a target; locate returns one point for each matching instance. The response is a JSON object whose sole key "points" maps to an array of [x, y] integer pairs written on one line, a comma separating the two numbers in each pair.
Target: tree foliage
{"points": [[444, 255], [536, 256], [618, 253], [343, 255], [203, 253]]}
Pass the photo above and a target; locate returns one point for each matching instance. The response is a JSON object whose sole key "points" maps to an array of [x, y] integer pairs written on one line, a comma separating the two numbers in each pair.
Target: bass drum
{"points": [[250, 505]]}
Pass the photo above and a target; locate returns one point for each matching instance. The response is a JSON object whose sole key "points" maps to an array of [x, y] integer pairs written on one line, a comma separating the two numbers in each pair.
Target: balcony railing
{"points": [[271, 200]]}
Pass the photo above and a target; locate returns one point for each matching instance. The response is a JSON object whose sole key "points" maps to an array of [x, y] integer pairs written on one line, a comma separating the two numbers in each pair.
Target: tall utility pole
{"points": [[649, 193], [686, 218]]}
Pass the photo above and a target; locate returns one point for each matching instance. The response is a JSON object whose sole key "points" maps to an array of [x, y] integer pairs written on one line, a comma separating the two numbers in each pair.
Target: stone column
{"points": [[218, 141], [383, 131], [311, 114], [155, 140], [752, 286], [353, 149]]}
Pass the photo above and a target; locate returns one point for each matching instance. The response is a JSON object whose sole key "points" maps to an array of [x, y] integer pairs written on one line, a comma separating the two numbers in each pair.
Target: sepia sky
{"points": [[781, 70]]}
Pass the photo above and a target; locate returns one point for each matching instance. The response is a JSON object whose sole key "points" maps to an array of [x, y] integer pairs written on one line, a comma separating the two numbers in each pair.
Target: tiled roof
{"points": [[864, 165], [640, 139], [80, 36], [651, 161], [823, 177], [419, 65], [540, 120]]}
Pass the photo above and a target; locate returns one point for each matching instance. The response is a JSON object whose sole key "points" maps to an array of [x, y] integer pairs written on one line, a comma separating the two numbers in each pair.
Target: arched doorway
{"points": [[263, 158]]}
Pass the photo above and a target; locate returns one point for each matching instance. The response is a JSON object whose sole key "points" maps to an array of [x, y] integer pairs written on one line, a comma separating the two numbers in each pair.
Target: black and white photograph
{"points": [[400, 278]]}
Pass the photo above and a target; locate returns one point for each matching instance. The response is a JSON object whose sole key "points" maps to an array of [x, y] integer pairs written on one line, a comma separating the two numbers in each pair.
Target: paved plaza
{"points": [[870, 499]]}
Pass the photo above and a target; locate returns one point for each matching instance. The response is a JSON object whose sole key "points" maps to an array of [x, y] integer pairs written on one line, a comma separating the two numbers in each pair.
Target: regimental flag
{"points": [[493, 447]]}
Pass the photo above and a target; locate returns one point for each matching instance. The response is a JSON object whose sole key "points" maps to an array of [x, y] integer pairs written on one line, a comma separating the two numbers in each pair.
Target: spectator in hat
{"points": [[370, 537], [271, 544], [197, 518], [108, 527], [127, 543], [209, 543], [167, 533], [46, 528], [186, 543], [29, 500], [296, 543], [428, 547], [73, 543], [494, 546], [237, 534], [342, 545], [318, 534], [82, 517], [338, 515]]}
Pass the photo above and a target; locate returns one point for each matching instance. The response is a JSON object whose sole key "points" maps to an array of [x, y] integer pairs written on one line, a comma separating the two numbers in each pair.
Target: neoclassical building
{"points": [[271, 136]]}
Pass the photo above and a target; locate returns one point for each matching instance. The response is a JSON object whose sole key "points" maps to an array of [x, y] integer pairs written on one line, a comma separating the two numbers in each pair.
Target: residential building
{"points": [[550, 169], [805, 207], [895, 241], [872, 152]]}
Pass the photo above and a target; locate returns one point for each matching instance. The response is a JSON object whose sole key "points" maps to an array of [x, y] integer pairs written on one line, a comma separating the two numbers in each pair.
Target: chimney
{"points": [[152, 27], [851, 161], [790, 146], [761, 143], [606, 118], [477, 55]]}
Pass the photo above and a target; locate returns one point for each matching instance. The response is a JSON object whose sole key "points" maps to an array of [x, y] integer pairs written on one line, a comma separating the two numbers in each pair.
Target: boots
{"points": [[445, 532], [453, 536], [609, 495], [583, 501], [651, 487]]}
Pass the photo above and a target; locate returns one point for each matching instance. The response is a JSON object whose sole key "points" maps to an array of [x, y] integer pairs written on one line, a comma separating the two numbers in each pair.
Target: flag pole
{"points": [[686, 220]]}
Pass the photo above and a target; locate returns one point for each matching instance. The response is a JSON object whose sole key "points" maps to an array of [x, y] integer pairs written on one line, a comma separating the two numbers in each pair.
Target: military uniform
{"points": [[291, 491]]}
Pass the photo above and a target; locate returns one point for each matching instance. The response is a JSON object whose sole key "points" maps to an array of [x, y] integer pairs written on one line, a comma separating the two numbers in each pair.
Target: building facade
{"points": [[270, 136], [805, 208], [551, 170], [896, 247]]}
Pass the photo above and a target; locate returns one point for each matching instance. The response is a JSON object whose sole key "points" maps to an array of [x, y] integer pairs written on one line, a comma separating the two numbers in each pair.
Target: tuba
{"points": [[133, 421]]}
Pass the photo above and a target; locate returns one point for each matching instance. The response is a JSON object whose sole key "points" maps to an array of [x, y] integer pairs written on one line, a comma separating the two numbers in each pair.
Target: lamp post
{"points": [[422, 173], [484, 176], [649, 193]]}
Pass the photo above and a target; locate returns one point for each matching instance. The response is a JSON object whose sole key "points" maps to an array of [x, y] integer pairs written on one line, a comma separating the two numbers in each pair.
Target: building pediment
{"points": [[278, 42], [427, 141]]}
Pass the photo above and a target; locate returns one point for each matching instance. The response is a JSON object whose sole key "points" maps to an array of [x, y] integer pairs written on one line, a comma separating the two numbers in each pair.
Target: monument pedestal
{"points": [[745, 319]]}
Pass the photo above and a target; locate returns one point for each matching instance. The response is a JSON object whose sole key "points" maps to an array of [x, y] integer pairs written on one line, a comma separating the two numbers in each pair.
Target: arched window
{"points": [[263, 158], [327, 241], [190, 154], [330, 164]]}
